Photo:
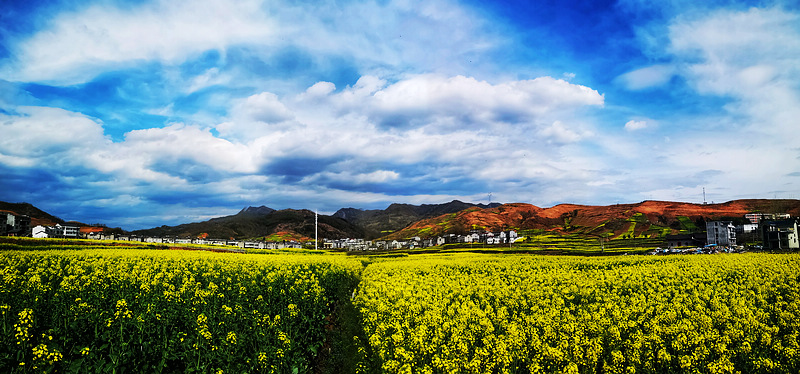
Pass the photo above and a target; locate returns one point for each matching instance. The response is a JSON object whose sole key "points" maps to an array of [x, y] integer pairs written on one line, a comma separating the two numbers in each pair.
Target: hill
{"points": [[376, 223], [255, 222], [645, 219], [38, 216]]}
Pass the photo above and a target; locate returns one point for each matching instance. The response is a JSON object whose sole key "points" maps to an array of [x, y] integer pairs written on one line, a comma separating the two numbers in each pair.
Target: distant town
{"points": [[774, 231]]}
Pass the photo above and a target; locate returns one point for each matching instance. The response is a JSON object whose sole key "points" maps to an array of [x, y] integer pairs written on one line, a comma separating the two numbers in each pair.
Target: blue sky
{"points": [[143, 113]]}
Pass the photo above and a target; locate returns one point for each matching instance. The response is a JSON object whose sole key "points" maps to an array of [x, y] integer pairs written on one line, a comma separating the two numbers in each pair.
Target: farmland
{"points": [[132, 309], [479, 314]]}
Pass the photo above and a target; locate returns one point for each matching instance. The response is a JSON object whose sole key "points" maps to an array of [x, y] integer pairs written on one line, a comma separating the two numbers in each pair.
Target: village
{"points": [[775, 231]]}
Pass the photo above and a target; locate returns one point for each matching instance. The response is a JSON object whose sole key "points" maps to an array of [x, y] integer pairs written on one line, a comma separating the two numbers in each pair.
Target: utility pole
{"points": [[316, 229]]}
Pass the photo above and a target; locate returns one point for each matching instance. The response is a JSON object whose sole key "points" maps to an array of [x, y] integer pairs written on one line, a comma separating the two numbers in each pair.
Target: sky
{"points": [[146, 113]]}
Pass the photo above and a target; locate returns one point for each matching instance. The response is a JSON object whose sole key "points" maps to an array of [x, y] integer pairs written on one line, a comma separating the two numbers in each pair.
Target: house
{"points": [[253, 245], [756, 218], [57, 231], [721, 233], [40, 231], [686, 240], [12, 224], [88, 231], [512, 236], [780, 234], [68, 231]]}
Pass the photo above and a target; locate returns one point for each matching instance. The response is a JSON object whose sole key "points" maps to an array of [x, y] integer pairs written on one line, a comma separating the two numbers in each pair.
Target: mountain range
{"points": [[644, 219], [399, 221], [291, 224], [377, 223]]}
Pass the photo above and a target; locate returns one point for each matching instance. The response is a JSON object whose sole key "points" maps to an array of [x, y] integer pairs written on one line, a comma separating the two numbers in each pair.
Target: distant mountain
{"points": [[261, 210], [376, 223], [38, 216], [648, 218], [255, 222], [399, 221]]}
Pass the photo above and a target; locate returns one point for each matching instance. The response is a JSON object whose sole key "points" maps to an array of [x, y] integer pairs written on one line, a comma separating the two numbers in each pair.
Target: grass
{"points": [[687, 225]]}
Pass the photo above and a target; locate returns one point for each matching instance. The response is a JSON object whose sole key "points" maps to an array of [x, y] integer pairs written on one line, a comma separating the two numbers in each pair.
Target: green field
{"points": [[77, 307]]}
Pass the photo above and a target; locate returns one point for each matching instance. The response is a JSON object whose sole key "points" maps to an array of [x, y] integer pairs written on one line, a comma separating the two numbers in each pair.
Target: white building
{"points": [[40, 232], [721, 233], [57, 231]]}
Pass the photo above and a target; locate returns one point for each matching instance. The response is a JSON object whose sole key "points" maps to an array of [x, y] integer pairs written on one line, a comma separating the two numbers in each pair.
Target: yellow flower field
{"points": [[143, 311], [127, 310], [521, 314]]}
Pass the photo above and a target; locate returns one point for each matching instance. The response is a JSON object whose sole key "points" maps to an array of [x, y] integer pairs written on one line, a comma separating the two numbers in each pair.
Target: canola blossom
{"points": [[131, 310], [142, 311], [534, 314]]}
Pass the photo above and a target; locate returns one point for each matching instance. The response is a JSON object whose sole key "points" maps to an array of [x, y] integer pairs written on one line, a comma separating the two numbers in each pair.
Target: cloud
{"points": [[647, 77], [380, 38], [560, 133], [633, 125], [264, 107], [738, 52], [466, 98], [77, 45], [738, 98], [47, 136], [179, 145]]}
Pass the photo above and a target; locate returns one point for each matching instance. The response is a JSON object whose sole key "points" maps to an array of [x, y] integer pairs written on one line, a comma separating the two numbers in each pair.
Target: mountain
{"points": [[376, 223], [254, 222], [261, 210], [38, 216], [398, 221], [648, 218]]}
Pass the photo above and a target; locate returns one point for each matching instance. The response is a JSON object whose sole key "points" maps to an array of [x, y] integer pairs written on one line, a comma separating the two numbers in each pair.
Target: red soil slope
{"points": [[648, 218]]}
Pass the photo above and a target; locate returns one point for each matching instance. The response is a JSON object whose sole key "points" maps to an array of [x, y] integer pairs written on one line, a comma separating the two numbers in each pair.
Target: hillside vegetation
{"points": [[648, 219]]}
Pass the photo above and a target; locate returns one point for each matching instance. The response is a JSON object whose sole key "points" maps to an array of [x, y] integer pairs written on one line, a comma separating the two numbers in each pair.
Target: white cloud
{"points": [[209, 78], [733, 52], [409, 120], [180, 145], [560, 133], [634, 125], [377, 176], [77, 46], [751, 59], [320, 89], [48, 135], [425, 98], [647, 77], [381, 38], [751, 56], [264, 107]]}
